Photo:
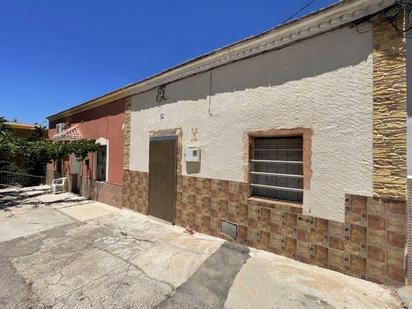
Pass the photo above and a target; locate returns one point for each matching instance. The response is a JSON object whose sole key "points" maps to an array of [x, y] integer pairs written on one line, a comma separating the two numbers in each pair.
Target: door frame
{"points": [[166, 137], [76, 168], [102, 142]]}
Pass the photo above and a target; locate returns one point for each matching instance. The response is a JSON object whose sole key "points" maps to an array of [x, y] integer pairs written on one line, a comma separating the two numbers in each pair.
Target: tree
{"points": [[31, 155], [10, 153], [4, 129], [40, 132], [82, 148]]}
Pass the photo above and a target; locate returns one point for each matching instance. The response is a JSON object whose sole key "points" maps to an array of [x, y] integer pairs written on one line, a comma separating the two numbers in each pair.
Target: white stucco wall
{"points": [[324, 83]]}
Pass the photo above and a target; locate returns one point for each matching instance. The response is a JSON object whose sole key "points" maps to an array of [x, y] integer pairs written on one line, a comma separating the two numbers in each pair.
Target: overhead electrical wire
{"points": [[390, 15], [300, 10]]}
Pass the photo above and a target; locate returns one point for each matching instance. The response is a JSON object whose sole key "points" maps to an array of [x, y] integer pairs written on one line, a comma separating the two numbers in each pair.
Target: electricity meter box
{"points": [[192, 154]]}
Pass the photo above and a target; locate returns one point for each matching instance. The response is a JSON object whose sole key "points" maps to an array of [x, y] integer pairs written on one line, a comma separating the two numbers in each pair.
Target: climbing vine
{"points": [[31, 155]]}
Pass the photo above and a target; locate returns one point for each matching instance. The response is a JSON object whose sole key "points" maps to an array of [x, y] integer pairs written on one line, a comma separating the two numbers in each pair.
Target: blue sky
{"points": [[57, 54]]}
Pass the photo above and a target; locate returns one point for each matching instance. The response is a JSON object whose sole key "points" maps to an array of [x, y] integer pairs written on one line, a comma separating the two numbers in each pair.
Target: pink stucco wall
{"points": [[104, 121]]}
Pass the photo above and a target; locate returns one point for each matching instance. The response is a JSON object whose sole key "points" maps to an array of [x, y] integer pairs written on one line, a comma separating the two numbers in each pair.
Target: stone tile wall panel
{"points": [[104, 192], [370, 247]]}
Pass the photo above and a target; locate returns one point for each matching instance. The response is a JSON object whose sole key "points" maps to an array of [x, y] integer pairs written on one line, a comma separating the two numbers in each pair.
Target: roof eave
{"points": [[330, 18]]}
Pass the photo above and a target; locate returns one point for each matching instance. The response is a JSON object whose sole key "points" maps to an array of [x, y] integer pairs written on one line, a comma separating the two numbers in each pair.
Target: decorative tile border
{"points": [[127, 132], [389, 110]]}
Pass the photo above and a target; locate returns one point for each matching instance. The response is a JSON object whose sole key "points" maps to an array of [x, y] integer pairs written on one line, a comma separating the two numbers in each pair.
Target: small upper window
{"points": [[276, 168], [60, 127], [101, 163]]}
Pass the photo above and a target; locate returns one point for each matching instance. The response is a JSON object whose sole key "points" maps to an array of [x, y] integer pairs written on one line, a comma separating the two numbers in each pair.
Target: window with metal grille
{"points": [[276, 168]]}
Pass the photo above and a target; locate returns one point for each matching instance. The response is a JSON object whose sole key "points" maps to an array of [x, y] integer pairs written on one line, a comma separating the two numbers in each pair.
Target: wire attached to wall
{"points": [[365, 26], [390, 15]]}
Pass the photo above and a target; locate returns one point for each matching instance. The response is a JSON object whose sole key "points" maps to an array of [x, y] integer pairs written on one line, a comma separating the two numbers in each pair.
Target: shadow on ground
{"points": [[19, 197]]}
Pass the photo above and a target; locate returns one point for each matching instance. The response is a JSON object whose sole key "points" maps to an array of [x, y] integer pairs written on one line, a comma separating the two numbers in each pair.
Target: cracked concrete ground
{"points": [[61, 251]]}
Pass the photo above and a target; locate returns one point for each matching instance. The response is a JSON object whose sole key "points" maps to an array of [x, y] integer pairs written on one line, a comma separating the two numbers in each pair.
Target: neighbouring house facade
{"points": [[293, 141], [100, 176]]}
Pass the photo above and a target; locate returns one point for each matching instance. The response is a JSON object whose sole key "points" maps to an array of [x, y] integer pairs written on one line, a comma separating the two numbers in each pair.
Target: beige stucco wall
{"points": [[324, 83]]}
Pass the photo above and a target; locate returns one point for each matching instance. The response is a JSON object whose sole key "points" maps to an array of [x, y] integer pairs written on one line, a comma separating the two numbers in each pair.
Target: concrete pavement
{"points": [[61, 251]]}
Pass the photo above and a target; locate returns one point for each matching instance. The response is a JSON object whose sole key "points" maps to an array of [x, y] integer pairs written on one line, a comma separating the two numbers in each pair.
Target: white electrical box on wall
{"points": [[192, 154]]}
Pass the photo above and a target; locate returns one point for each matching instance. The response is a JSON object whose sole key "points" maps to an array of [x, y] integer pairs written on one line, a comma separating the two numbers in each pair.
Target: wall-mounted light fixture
{"points": [[161, 94]]}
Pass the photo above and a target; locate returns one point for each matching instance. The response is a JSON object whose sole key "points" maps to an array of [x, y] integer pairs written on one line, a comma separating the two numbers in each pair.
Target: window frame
{"points": [[306, 135], [104, 143]]}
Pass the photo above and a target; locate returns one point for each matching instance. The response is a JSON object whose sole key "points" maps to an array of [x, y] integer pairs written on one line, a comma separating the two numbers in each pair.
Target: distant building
{"points": [[21, 129]]}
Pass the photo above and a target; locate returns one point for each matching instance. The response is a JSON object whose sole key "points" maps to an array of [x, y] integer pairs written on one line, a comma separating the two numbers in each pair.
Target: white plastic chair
{"points": [[58, 184]]}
